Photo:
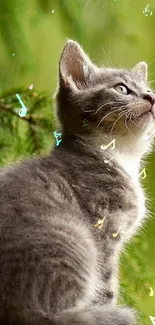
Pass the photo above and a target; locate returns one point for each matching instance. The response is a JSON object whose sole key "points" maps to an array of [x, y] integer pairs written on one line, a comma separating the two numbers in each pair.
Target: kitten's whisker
{"points": [[102, 106], [128, 128], [118, 109], [132, 120], [109, 56], [135, 123], [130, 112], [109, 103], [92, 110], [151, 81], [106, 56], [122, 113], [150, 74], [106, 116], [151, 62]]}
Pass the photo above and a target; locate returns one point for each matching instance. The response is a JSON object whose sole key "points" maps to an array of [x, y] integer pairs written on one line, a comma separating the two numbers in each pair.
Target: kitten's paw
{"points": [[119, 316]]}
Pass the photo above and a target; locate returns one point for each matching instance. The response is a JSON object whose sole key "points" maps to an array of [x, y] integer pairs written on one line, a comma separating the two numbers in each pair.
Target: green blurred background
{"points": [[114, 33]]}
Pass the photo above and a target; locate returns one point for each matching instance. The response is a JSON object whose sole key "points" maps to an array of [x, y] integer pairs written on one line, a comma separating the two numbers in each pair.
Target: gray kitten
{"points": [[64, 217]]}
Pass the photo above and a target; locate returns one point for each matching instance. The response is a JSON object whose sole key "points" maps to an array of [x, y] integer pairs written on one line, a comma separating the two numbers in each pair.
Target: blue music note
{"points": [[22, 111], [56, 135]]}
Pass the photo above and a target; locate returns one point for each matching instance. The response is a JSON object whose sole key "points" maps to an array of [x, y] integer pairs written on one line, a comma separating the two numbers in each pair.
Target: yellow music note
{"points": [[151, 293], [109, 144], [144, 173], [116, 233], [152, 319], [100, 223]]}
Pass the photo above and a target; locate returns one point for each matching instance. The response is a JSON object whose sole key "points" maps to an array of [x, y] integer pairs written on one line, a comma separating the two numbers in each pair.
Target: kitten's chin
{"points": [[147, 116], [144, 118], [142, 123]]}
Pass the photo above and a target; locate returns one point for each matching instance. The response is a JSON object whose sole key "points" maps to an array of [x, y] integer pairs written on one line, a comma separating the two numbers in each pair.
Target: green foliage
{"points": [[137, 277], [13, 33], [14, 16], [70, 13], [29, 134]]}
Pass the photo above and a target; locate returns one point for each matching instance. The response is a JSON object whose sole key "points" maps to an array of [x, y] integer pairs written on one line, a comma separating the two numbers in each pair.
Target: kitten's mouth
{"points": [[150, 112], [145, 114]]}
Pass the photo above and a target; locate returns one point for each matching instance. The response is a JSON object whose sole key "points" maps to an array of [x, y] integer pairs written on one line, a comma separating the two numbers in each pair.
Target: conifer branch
{"points": [[37, 126]]}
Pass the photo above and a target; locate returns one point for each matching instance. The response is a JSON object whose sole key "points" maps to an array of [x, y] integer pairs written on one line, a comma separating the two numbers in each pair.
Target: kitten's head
{"points": [[102, 104]]}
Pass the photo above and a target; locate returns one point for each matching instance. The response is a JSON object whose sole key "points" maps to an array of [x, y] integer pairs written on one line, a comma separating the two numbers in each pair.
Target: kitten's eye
{"points": [[122, 89], [148, 91]]}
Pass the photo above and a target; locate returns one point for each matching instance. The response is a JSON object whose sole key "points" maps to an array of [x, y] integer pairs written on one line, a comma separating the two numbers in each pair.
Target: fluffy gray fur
{"points": [[56, 267]]}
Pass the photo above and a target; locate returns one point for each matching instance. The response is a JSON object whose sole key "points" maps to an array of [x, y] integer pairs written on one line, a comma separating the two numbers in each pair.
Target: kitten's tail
{"points": [[93, 315]]}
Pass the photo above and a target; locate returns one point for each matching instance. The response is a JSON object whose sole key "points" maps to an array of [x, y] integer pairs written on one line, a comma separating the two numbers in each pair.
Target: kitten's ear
{"points": [[75, 68], [141, 70]]}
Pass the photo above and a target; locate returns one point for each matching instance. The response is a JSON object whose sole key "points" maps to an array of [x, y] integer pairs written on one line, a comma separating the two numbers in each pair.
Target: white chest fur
{"points": [[131, 166]]}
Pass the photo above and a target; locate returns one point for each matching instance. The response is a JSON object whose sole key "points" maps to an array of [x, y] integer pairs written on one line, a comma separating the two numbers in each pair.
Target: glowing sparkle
{"points": [[31, 86], [85, 123], [147, 10]]}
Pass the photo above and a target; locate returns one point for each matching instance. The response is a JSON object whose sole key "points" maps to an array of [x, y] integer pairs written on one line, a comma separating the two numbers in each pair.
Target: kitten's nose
{"points": [[150, 98]]}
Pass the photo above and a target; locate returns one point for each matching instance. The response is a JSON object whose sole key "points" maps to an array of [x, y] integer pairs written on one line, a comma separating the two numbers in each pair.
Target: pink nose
{"points": [[150, 98]]}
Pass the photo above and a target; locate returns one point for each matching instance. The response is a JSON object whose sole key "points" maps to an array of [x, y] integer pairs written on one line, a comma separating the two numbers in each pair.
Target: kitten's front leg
{"points": [[109, 242]]}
